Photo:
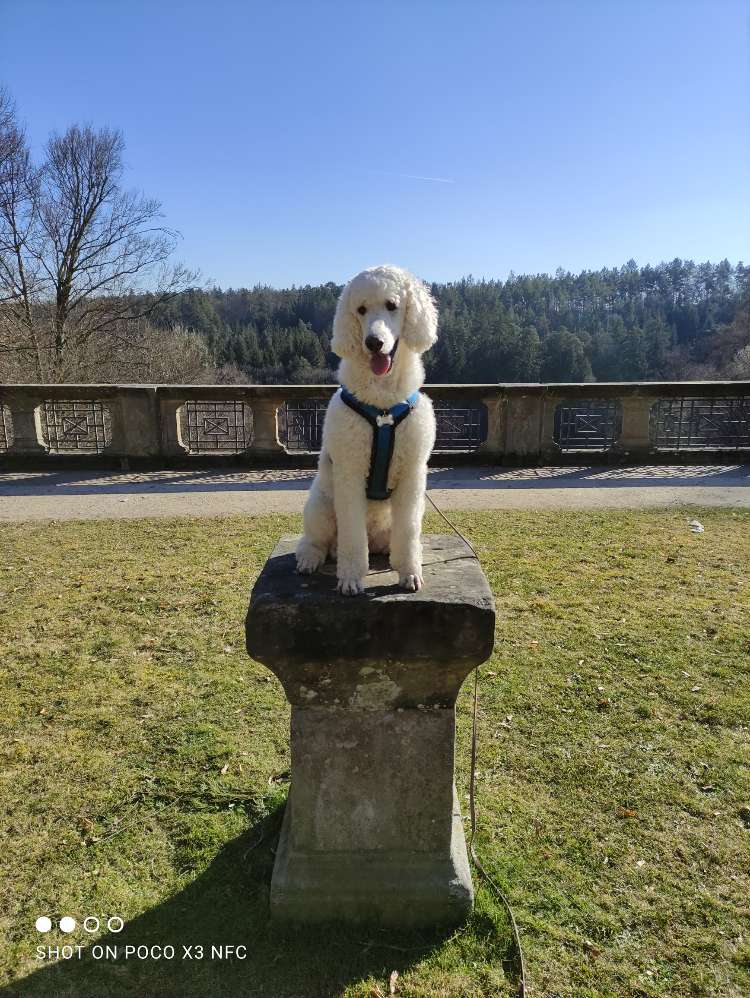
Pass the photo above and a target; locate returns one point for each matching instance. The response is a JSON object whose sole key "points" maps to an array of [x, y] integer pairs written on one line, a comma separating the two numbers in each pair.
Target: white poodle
{"points": [[368, 494]]}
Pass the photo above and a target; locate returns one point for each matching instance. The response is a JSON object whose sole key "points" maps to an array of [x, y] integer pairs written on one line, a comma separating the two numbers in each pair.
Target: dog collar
{"points": [[383, 423]]}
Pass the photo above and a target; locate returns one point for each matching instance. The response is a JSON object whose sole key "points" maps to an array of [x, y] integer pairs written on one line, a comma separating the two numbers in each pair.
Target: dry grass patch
{"points": [[142, 744]]}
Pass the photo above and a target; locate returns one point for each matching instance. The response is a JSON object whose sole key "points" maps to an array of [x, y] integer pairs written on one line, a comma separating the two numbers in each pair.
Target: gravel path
{"points": [[39, 495]]}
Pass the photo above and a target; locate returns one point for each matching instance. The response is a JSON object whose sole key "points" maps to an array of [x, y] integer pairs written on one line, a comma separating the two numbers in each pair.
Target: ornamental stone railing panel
{"points": [[78, 426], [587, 425], [701, 424], [301, 424], [211, 426], [460, 425]]}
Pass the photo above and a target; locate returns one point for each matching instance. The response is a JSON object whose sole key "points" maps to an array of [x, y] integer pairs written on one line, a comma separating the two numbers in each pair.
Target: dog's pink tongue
{"points": [[380, 363]]}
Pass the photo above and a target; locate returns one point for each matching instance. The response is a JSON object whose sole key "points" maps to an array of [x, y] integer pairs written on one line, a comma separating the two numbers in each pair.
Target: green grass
{"points": [[143, 753]]}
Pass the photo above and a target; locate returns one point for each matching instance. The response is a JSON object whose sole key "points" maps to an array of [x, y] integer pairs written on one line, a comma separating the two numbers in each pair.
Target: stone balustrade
{"points": [[281, 424]]}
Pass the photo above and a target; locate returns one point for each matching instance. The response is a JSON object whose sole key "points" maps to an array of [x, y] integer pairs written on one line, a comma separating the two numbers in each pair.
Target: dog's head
{"points": [[379, 309]]}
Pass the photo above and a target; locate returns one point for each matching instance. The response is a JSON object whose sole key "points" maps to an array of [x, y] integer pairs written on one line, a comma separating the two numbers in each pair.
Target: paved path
{"points": [[37, 495]]}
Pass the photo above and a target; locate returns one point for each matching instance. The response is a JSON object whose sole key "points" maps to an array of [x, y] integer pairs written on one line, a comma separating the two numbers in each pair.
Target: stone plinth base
{"points": [[372, 830], [392, 887]]}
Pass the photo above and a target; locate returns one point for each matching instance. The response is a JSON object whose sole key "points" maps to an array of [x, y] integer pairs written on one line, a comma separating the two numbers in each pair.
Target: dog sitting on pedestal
{"points": [[379, 430]]}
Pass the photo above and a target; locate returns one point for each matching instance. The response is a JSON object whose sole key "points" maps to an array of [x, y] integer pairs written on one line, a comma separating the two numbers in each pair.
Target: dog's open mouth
{"points": [[381, 363]]}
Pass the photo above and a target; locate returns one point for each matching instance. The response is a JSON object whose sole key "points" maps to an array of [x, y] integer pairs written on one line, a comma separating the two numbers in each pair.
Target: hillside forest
{"points": [[674, 321]]}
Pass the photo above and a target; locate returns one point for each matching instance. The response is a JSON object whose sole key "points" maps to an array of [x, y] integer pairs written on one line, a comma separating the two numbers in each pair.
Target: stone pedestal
{"points": [[372, 829]]}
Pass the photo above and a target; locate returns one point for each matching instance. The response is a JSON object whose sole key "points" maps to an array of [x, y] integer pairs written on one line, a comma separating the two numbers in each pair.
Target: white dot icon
{"points": [[67, 924], [43, 924]]}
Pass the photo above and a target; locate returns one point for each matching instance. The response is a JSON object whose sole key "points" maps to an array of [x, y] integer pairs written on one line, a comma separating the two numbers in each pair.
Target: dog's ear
{"points": [[420, 320], [346, 330]]}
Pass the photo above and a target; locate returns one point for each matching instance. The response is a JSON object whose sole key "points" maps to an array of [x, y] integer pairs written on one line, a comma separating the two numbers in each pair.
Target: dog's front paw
{"points": [[309, 559], [411, 582], [350, 586]]}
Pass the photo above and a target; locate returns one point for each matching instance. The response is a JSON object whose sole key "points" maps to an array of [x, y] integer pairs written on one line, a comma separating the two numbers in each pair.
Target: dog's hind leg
{"points": [[319, 536]]}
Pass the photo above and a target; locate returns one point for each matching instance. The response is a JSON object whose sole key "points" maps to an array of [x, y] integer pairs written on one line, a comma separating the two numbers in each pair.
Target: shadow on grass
{"points": [[227, 905]]}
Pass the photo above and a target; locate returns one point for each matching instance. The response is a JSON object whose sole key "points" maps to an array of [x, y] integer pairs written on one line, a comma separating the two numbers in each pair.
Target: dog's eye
{"points": [[361, 309], [391, 306]]}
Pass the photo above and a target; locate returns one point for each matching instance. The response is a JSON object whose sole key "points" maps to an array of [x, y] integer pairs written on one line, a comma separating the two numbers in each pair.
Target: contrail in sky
{"points": [[438, 180], [414, 176]]}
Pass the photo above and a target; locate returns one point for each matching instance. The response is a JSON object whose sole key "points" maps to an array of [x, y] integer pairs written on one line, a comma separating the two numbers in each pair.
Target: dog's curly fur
{"points": [[339, 518]]}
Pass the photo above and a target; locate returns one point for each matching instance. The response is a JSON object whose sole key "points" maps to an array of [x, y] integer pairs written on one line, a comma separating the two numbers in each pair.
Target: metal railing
{"points": [[701, 423], [282, 424]]}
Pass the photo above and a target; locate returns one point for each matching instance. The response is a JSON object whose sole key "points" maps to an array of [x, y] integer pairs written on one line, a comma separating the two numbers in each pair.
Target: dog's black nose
{"points": [[373, 344]]}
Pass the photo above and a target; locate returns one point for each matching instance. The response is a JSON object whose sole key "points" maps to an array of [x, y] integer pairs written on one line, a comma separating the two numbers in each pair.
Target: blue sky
{"points": [[286, 141]]}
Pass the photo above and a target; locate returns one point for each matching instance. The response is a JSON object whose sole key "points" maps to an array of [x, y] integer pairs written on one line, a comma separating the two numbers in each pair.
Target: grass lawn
{"points": [[144, 757]]}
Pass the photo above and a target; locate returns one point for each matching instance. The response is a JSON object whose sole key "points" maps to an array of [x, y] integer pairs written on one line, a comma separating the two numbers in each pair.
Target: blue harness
{"points": [[383, 423]]}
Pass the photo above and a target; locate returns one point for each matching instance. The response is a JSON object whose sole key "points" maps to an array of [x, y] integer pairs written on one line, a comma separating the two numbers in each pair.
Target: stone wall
{"points": [[281, 424]]}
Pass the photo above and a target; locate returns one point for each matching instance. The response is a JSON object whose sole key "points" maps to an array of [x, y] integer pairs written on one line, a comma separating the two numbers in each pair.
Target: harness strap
{"points": [[383, 423]]}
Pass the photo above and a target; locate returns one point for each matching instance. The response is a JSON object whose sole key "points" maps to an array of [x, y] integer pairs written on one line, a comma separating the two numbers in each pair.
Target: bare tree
{"points": [[152, 356], [19, 214], [81, 259]]}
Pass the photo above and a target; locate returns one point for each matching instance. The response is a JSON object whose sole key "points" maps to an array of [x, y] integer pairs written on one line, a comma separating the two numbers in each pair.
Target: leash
{"points": [[520, 966]]}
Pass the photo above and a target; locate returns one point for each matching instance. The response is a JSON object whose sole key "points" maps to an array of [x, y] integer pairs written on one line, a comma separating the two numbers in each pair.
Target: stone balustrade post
{"points": [[265, 429], [26, 439], [523, 422], [494, 444], [372, 829], [635, 438]]}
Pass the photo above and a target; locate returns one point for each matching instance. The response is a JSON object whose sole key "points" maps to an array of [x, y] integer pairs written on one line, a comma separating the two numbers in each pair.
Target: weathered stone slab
{"points": [[372, 829], [299, 624]]}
